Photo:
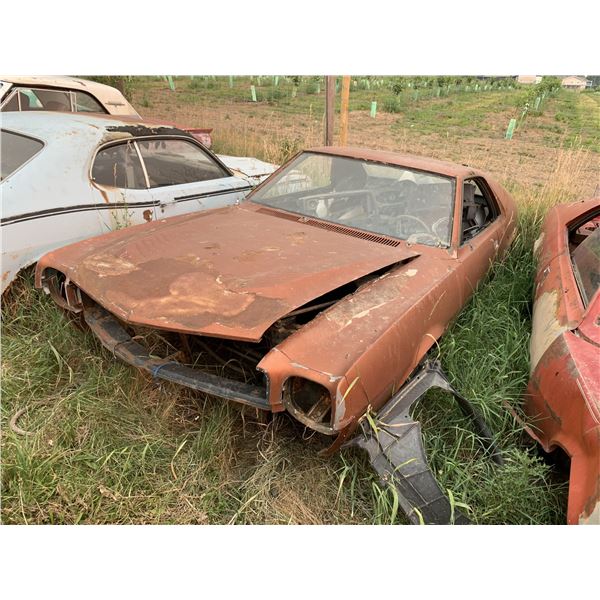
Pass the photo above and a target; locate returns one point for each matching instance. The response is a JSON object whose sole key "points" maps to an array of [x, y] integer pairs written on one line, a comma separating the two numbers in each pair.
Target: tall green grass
{"points": [[110, 446]]}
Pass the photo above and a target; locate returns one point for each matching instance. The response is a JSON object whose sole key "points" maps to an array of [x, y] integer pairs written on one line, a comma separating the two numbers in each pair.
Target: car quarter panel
{"points": [[37, 206], [371, 342], [376, 336]]}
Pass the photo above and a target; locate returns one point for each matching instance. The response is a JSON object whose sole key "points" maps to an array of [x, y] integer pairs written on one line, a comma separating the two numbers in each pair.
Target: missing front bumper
{"points": [[115, 338], [395, 446]]}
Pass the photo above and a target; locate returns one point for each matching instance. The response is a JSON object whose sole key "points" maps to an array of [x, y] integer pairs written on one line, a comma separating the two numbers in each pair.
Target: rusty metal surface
{"points": [[563, 395], [235, 273], [197, 274], [410, 161], [114, 338]]}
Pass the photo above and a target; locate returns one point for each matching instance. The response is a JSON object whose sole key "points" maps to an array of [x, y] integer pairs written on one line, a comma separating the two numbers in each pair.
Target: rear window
{"points": [[86, 103], [174, 162], [15, 151]]}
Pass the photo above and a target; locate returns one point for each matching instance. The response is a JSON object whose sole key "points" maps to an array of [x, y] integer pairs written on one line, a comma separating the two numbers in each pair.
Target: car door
{"points": [[119, 178], [480, 230], [183, 177]]}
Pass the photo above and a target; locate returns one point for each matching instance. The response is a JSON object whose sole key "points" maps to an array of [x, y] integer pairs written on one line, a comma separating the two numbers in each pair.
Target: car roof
{"points": [[107, 94], [565, 214], [410, 161], [47, 125], [56, 81]]}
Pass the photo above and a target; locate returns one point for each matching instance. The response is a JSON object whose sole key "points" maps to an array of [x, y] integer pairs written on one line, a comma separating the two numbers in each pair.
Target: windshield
{"points": [[386, 199]]}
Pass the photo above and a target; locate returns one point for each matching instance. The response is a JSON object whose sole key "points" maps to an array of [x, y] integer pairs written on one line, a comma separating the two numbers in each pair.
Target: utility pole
{"points": [[344, 110], [329, 108]]}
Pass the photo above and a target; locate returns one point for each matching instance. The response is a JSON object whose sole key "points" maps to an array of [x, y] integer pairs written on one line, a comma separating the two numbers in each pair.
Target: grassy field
{"points": [[109, 445]]}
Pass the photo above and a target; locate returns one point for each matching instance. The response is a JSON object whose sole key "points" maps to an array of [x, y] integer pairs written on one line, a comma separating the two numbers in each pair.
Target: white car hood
{"points": [[251, 169]]}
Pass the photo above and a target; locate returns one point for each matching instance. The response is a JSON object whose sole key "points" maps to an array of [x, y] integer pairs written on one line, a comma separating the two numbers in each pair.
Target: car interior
{"points": [[119, 166], [176, 162], [389, 200], [478, 210]]}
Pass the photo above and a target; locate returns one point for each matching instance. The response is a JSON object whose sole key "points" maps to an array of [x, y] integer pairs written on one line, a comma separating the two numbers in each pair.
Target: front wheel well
{"points": [[64, 292]]}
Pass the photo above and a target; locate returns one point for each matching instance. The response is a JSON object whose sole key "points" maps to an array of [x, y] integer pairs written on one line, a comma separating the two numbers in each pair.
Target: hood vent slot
{"points": [[357, 233]]}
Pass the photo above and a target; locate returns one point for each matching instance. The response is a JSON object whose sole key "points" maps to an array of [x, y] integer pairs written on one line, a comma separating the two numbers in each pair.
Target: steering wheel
{"points": [[419, 222], [442, 224], [416, 238]]}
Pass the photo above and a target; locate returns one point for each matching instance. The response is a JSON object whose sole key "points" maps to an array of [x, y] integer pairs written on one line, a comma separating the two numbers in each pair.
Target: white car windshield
{"points": [[380, 198]]}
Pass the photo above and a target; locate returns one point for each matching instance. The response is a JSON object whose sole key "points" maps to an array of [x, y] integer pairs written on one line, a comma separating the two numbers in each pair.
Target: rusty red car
{"points": [[563, 395], [320, 294]]}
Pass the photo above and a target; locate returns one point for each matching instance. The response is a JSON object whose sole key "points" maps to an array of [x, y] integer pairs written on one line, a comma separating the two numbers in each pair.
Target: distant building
{"points": [[529, 79], [573, 82]]}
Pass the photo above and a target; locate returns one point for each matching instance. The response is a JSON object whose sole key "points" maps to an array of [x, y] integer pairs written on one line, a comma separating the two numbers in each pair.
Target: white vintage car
{"points": [[65, 94], [70, 94], [65, 177]]}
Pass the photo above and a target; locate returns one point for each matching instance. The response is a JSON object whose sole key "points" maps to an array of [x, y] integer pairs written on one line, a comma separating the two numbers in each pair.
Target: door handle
{"points": [[166, 201]]}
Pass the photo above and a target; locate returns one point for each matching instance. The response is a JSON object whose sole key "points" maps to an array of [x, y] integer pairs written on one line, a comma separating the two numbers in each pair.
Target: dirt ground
{"points": [[260, 129]]}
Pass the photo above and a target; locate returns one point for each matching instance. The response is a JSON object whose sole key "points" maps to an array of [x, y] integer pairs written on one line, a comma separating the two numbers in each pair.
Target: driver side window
{"points": [[479, 209]]}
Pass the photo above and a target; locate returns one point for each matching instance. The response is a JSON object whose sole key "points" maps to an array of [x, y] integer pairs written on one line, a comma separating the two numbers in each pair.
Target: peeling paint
{"points": [[545, 326], [108, 265], [593, 518]]}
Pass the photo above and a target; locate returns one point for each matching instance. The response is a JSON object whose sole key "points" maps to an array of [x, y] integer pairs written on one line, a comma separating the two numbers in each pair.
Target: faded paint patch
{"points": [[185, 298], [360, 306], [593, 518], [109, 265], [297, 237], [340, 408], [538, 244], [545, 326], [248, 255]]}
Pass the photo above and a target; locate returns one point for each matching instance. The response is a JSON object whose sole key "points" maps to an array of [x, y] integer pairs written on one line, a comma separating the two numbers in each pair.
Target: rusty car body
{"points": [[320, 294], [563, 396]]}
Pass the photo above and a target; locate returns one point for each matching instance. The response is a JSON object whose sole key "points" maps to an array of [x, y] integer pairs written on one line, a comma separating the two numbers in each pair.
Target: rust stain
{"points": [[104, 194], [150, 269], [147, 214]]}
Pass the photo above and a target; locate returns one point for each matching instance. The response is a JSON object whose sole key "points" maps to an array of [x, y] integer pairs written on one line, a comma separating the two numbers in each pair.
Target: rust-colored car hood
{"points": [[227, 273]]}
